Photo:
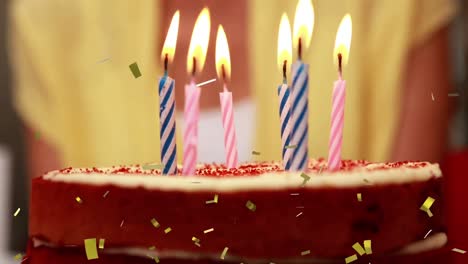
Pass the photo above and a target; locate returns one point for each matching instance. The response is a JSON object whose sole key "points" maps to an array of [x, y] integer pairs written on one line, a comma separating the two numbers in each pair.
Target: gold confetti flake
{"points": [[359, 248], [18, 256], [167, 230], [135, 70], [359, 197], [17, 212], [223, 254], [461, 251], [152, 166], [215, 200], [155, 223], [351, 258], [101, 243], [368, 246], [305, 177], [78, 199], [251, 206], [105, 194], [426, 206], [196, 240], [90, 247], [155, 258], [291, 147], [152, 248], [304, 253], [208, 231], [427, 233]]}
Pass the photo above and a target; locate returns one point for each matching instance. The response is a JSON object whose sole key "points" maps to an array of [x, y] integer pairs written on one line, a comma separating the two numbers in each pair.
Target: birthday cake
{"points": [[256, 213]]}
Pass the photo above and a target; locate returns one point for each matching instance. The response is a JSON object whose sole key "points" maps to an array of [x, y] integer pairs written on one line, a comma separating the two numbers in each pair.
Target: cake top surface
{"points": [[259, 175]]}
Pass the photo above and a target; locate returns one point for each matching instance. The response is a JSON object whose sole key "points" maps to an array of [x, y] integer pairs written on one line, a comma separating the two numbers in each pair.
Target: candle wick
{"points": [[194, 69], [299, 49], [284, 71], [340, 65], [223, 73], [166, 62]]}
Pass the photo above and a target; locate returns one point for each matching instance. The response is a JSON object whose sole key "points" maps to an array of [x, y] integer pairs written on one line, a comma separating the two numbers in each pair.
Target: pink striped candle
{"points": [[223, 69], [340, 55], [230, 141], [191, 117], [337, 122]]}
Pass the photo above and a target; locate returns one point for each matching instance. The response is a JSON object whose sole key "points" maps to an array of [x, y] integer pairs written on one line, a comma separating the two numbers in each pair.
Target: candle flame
{"points": [[223, 58], [199, 42], [303, 23], [284, 41], [169, 46], [343, 40]]}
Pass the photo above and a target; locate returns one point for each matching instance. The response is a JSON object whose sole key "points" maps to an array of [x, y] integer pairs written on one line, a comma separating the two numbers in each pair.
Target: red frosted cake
{"points": [[256, 213]]}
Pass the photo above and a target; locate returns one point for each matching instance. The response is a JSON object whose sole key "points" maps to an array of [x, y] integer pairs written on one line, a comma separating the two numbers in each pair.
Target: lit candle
{"points": [[195, 62], [285, 56], [223, 69], [167, 102], [303, 27], [340, 56]]}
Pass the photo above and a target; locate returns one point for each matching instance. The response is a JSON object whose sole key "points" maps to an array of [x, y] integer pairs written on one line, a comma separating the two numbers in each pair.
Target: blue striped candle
{"points": [[167, 125], [300, 115], [285, 116]]}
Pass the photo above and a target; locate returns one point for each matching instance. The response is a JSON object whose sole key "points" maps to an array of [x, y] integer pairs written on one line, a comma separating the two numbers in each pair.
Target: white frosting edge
{"points": [[433, 242], [267, 181]]}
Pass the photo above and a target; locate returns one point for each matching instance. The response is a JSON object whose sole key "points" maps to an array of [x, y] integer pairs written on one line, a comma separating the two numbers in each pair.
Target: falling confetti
{"points": [[294, 194], [17, 212], [152, 248], [90, 247], [368, 246], [255, 152], [155, 223], [105, 194], [135, 70], [291, 147], [305, 177], [167, 230], [299, 214], [304, 253], [351, 258], [359, 248], [426, 207], [251, 206], [78, 199], [121, 223], [152, 166], [103, 60], [427, 233], [432, 96], [208, 231], [359, 197], [461, 251], [215, 200], [18, 256], [195, 239], [207, 82], [453, 94], [223, 254], [101, 243]]}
